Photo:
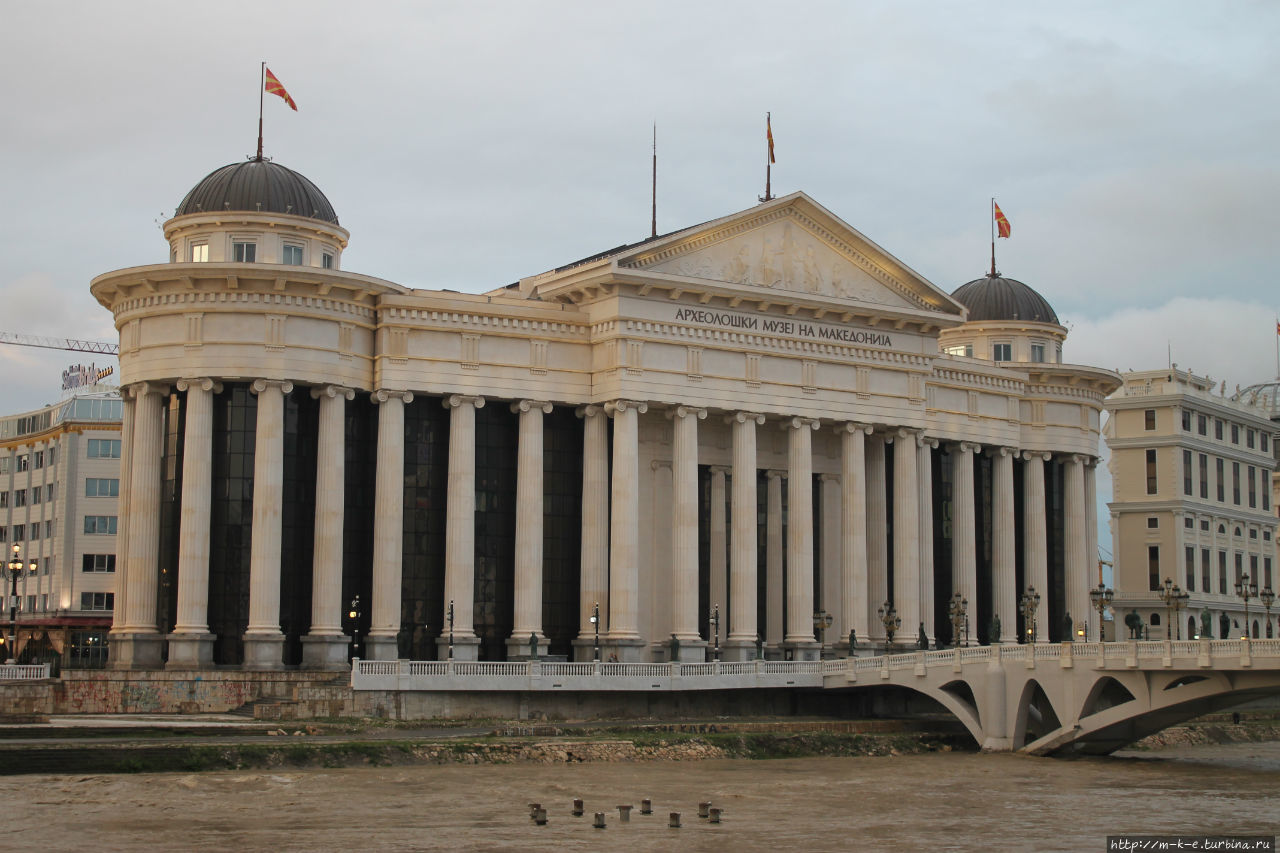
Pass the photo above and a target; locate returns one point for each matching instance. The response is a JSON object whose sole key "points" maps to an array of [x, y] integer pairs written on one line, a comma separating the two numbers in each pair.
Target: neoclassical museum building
{"points": [[756, 435]]}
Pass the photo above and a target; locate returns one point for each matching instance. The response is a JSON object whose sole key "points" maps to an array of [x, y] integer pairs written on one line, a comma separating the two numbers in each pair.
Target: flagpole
{"points": [[262, 86], [768, 161], [653, 228], [1278, 347], [993, 236]]}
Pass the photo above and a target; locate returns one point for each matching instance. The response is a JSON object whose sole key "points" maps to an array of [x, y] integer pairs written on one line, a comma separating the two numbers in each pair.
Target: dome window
{"points": [[244, 251], [326, 260], [1037, 353], [292, 254], [965, 350], [200, 252], [1002, 352]]}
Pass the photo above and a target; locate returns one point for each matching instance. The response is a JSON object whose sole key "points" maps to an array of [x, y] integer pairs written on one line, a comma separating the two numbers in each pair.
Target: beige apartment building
{"points": [[1193, 503], [59, 490]]}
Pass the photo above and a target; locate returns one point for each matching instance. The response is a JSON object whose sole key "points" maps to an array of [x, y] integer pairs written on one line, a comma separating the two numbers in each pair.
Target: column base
{"points": [[584, 650], [190, 651], [623, 649], [325, 651], [738, 650], [263, 651], [518, 648], [376, 647], [137, 650], [464, 648], [801, 650]]}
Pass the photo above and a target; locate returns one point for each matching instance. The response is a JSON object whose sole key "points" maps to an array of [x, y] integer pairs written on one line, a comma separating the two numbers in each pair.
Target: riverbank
{"points": [[1216, 729]]}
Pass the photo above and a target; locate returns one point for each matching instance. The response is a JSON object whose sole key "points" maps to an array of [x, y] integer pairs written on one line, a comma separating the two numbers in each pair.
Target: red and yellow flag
{"points": [[274, 87], [768, 129], [1003, 228]]}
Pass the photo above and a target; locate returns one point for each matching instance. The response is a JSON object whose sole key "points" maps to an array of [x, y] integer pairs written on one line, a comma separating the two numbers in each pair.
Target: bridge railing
{"points": [[721, 675]]}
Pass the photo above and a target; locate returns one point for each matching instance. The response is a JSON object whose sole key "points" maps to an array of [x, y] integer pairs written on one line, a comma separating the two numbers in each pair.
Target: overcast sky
{"points": [[465, 145]]}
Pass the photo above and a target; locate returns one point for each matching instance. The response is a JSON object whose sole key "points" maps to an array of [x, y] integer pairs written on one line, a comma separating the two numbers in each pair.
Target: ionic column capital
{"points": [[660, 464], [797, 422], [775, 474], [382, 395], [1044, 455], [964, 447], [1082, 459], [743, 417], [202, 383], [332, 391], [589, 411], [721, 469], [260, 385], [853, 426], [521, 406], [140, 389], [686, 411], [993, 452], [453, 401], [829, 478], [923, 440], [615, 407]]}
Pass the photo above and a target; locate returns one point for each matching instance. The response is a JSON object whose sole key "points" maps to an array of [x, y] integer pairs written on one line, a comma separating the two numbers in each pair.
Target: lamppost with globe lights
{"points": [[1030, 603], [15, 570], [821, 622], [354, 615], [595, 623], [1174, 600], [1101, 596], [715, 632], [891, 621], [1246, 589]]}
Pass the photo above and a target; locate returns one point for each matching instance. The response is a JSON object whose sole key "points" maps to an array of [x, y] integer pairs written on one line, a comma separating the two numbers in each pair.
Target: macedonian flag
{"points": [[273, 87], [1003, 228]]}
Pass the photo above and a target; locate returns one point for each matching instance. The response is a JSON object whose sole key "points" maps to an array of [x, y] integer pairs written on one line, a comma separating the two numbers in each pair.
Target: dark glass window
{"points": [[426, 469], [561, 528], [497, 431], [1205, 583], [1204, 476], [1186, 472], [1153, 567], [1222, 480], [1191, 568], [1149, 419], [1151, 472]]}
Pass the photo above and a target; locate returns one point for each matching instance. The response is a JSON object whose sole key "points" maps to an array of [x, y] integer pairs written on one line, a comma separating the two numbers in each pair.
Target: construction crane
{"points": [[59, 343]]}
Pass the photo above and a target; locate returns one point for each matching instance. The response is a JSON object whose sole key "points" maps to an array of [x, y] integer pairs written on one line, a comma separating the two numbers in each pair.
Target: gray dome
{"points": [[258, 186], [994, 297]]}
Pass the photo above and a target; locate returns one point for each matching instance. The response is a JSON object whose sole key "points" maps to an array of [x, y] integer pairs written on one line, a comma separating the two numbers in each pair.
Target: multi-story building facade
{"points": [[715, 434], [1193, 503], [59, 490]]}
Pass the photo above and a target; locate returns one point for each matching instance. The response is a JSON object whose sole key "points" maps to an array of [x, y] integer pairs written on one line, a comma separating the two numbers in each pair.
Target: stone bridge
{"points": [[1040, 699]]}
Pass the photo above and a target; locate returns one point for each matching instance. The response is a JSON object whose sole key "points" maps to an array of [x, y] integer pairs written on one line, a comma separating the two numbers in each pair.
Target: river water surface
{"points": [[938, 801]]}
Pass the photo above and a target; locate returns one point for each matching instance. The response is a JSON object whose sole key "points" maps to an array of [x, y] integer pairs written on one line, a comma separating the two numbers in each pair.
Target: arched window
{"points": [[1155, 619]]}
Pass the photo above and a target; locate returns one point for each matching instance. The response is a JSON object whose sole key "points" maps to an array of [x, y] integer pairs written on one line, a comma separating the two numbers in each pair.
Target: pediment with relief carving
{"points": [[786, 248]]}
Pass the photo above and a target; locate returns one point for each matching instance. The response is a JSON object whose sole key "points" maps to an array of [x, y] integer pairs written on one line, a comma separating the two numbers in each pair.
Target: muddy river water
{"points": [[939, 801]]}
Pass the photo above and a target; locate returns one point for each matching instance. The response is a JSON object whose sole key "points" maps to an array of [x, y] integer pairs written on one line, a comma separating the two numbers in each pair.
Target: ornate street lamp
{"points": [[821, 622], [1174, 600], [354, 615], [891, 621], [1246, 590], [1268, 598], [595, 623], [715, 632], [451, 629], [1030, 603], [1101, 598], [958, 609], [15, 569]]}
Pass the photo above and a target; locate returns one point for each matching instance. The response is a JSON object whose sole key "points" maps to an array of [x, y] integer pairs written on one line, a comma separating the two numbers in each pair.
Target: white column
{"points": [[684, 529], [191, 644], [743, 627], [460, 528], [527, 621], [924, 475], [1091, 539], [877, 538], [906, 535], [773, 560], [1003, 565], [799, 628], [853, 532], [624, 531], [388, 527], [122, 525], [1075, 561], [964, 539], [593, 582], [140, 642], [718, 546], [263, 641], [1035, 536], [325, 646]]}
